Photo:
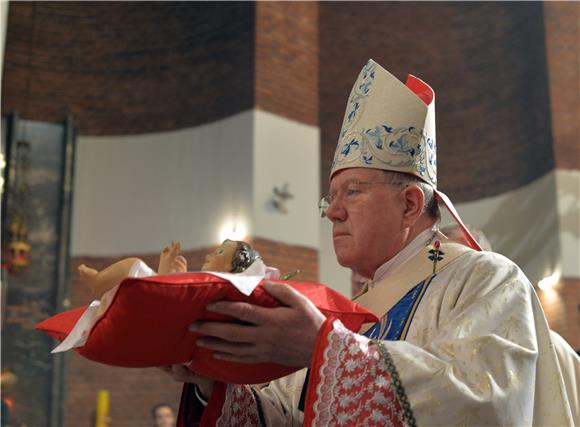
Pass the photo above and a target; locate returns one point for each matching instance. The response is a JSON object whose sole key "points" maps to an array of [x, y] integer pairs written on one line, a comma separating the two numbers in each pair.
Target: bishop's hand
{"points": [[284, 335], [182, 374]]}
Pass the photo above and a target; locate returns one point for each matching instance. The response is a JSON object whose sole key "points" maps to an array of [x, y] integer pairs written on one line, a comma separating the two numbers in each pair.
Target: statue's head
{"points": [[231, 256]]}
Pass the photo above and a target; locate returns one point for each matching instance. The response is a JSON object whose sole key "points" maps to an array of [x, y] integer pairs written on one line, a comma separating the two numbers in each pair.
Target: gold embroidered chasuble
{"points": [[570, 365], [474, 349]]}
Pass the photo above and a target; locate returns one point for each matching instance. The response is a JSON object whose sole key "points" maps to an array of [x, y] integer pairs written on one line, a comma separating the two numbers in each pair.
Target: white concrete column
{"points": [[3, 29]]}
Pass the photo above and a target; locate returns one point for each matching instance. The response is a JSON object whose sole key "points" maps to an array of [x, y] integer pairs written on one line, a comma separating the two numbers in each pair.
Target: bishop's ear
{"points": [[414, 200]]}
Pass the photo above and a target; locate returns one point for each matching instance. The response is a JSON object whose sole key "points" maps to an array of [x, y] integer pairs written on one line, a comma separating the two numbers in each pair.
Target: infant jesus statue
{"points": [[235, 261], [231, 256]]}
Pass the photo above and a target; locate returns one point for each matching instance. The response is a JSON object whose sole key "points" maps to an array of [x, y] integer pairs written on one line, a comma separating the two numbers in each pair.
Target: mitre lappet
{"points": [[389, 125]]}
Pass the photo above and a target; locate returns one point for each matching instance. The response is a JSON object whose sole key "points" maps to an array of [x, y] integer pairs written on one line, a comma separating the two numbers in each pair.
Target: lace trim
{"points": [[402, 396], [240, 407], [356, 387]]}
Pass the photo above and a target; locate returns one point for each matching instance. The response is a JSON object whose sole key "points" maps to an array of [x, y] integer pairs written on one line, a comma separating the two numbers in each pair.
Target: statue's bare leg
{"points": [[101, 281], [88, 274]]}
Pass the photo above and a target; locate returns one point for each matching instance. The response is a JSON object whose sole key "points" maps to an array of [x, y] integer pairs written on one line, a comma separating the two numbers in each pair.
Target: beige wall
{"points": [[133, 194], [521, 224], [537, 226], [3, 26], [286, 151]]}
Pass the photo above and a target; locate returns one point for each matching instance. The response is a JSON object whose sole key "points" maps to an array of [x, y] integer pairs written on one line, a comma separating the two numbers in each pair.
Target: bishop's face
{"points": [[221, 259], [367, 219]]}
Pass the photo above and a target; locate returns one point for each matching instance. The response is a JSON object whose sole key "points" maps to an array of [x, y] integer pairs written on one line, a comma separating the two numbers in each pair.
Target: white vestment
{"points": [[477, 352], [570, 366]]}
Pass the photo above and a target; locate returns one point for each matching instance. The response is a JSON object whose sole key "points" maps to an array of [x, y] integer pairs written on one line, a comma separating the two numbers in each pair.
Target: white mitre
{"points": [[389, 125]]}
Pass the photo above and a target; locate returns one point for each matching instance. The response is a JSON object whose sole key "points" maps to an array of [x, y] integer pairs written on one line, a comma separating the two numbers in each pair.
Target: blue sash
{"points": [[395, 324]]}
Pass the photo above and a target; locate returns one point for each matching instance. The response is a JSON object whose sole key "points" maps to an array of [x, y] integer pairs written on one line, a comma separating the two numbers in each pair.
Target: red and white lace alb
{"points": [[355, 386], [240, 408]]}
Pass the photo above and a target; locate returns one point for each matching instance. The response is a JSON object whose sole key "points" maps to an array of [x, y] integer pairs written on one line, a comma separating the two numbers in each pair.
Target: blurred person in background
{"points": [[163, 415]]}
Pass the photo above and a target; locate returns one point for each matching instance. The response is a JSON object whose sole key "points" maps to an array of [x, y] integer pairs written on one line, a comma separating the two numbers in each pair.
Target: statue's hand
{"points": [[179, 265], [167, 257]]}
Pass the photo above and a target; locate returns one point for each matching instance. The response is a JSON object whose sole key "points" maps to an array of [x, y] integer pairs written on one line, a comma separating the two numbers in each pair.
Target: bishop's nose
{"points": [[336, 211]]}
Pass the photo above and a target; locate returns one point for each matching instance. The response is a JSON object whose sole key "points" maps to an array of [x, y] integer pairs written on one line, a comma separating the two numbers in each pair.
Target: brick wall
{"points": [[562, 20], [562, 307], [84, 59], [129, 68], [486, 62], [132, 68], [289, 258], [135, 391], [287, 59]]}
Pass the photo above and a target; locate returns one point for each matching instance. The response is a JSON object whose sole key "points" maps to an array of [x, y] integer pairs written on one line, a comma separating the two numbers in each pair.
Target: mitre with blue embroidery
{"points": [[388, 125]]}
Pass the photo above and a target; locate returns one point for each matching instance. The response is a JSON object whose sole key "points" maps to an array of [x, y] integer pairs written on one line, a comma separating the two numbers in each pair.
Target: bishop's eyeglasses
{"points": [[348, 193]]}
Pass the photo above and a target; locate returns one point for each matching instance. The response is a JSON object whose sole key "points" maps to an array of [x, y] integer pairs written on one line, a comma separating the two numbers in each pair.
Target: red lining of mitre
{"points": [[420, 88]]}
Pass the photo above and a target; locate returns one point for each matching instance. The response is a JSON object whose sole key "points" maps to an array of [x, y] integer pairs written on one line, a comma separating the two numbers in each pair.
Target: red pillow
{"points": [[60, 325], [147, 324]]}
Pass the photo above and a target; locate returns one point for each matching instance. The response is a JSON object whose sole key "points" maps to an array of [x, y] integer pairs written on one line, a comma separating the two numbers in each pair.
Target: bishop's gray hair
{"points": [[431, 205]]}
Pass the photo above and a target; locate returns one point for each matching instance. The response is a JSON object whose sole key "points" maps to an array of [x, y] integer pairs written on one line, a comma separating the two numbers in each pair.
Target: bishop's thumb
{"points": [[284, 293]]}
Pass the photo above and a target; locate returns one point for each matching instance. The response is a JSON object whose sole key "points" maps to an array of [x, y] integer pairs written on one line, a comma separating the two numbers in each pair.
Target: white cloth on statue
{"points": [[477, 353], [245, 282], [570, 366]]}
